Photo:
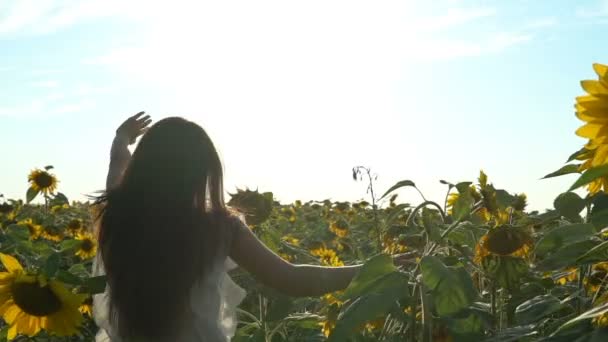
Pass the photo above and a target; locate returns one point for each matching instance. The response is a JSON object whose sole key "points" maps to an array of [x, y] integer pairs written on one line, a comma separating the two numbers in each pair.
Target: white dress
{"points": [[213, 301]]}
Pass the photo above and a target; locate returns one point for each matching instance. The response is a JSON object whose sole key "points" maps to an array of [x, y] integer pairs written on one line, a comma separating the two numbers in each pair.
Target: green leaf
{"points": [[95, 285], [374, 269], [48, 167], [365, 308], [566, 256], [508, 271], [590, 175], [271, 238], [18, 233], [599, 219], [395, 212], [466, 329], [31, 194], [579, 323], [69, 245], [467, 234], [599, 210], [462, 207], [503, 198], [537, 308], [59, 199], [514, 334], [577, 154], [564, 170], [397, 186], [52, 265], [68, 278], [598, 253], [463, 187], [569, 205], [452, 287], [79, 270], [564, 235], [279, 308]]}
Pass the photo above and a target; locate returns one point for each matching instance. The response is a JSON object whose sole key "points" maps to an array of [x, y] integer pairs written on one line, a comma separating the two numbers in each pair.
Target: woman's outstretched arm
{"points": [[126, 134], [293, 280]]}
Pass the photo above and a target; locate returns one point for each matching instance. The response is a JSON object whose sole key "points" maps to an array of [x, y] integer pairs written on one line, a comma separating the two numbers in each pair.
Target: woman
{"points": [[167, 240]]}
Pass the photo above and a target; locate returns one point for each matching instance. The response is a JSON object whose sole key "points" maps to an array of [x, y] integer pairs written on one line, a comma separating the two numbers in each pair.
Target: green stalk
{"points": [[427, 328]]}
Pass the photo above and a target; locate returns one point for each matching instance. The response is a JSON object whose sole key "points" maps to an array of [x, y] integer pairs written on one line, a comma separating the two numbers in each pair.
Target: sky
{"points": [[296, 93]]}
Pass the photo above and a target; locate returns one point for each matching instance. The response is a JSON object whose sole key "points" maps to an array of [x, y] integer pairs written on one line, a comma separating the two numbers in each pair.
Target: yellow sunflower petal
{"points": [[592, 130], [602, 71], [592, 102], [10, 263], [12, 333], [595, 88], [12, 314], [601, 156]]}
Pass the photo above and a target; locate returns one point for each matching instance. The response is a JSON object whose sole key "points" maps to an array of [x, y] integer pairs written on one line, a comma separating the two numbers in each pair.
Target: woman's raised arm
{"points": [[126, 134]]}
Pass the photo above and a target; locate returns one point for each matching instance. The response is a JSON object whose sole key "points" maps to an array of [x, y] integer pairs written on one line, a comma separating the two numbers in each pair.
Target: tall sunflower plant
{"points": [[45, 280]]}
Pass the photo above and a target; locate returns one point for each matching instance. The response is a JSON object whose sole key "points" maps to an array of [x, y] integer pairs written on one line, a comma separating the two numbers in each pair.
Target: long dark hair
{"points": [[159, 228]]}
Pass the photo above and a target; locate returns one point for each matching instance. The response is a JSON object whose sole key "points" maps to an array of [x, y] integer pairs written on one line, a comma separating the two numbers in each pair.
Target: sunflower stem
{"points": [[493, 301], [426, 317], [412, 331]]}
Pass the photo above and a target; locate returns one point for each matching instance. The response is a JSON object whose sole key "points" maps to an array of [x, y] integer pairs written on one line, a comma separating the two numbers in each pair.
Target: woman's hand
{"points": [[133, 127]]}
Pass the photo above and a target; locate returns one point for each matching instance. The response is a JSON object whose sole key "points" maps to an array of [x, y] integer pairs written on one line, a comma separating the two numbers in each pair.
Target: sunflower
{"points": [[43, 181], [34, 229], [341, 207], [593, 110], [256, 206], [339, 227], [86, 308], [329, 324], [74, 227], [503, 241], [328, 256], [31, 303], [52, 233], [88, 246]]}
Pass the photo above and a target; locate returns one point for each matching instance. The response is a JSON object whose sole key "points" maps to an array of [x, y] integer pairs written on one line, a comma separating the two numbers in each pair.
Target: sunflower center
{"points": [[43, 180], [74, 225], [51, 230], [505, 241], [34, 299], [86, 245]]}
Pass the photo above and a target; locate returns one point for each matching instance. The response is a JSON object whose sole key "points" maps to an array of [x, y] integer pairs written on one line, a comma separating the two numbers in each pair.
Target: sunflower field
{"points": [[485, 268]]}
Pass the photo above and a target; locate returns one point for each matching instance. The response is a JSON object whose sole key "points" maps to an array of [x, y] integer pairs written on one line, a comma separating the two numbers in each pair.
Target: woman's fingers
{"points": [[138, 115]]}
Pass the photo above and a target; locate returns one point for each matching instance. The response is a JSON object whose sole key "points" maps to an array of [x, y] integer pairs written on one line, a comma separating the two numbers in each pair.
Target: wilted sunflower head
{"points": [[503, 241], [341, 207], [74, 226], [42, 181], [520, 203], [6, 208], [256, 206]]}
